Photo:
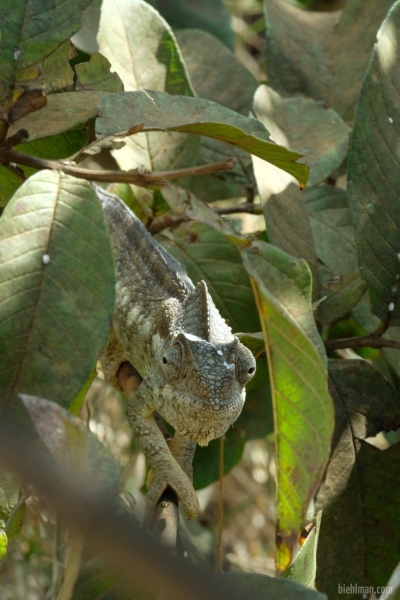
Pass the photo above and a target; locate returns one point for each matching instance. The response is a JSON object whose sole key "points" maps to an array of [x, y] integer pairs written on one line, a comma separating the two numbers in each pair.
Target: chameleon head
{"points": [[203, 387]]}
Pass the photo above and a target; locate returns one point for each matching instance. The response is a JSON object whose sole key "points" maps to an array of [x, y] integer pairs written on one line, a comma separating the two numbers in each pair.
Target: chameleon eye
{"points": [[245, 365], [173, 362]]}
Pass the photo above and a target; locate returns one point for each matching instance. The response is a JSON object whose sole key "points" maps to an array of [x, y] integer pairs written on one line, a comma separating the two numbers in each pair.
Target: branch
{"points": [[364, 341], [248, 207], [141, 177]]}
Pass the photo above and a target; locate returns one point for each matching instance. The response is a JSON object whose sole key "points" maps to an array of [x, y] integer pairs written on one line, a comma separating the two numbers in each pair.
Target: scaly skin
{"points": [[194, 370]]}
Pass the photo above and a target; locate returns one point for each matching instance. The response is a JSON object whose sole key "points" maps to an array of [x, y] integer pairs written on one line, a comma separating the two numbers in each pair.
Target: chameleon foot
{"points": [[180, 483]]}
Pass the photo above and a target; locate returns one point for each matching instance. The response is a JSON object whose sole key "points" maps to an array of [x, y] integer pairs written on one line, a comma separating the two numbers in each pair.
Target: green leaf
{"points": [[304, 567], [324, 41], [332, 229], [3, 544], [215, 72], [55, 147], [30, 33], [234, 183], [304, 126], [271, 588], [206, 458], [184, 202], [302, 406], [95, 75], [209, 255], [373, 173], [217, 75], [254, 342], [74, 447], [62, 112], [79, 399], [56, 287], [361, 485], [288, 280], [85, 38], [209, 15], [100, 581], [393, 585], [9, 492], [57, 69], [341, 294], [141, 47], [288, 223], [158, 111], [256, 419]]}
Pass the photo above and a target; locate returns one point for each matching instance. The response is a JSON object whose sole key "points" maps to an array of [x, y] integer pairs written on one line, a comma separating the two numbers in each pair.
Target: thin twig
{"points": [[140, 177], [167, 220], [219, 555], [364, 341], [248, 207]]}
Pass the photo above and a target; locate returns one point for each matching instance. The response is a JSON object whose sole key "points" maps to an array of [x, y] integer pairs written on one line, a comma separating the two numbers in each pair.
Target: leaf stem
{"points": [[141, 177]]}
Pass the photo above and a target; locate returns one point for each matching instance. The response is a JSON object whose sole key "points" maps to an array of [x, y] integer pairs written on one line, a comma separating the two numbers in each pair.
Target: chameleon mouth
{"points": [[201, 420]]}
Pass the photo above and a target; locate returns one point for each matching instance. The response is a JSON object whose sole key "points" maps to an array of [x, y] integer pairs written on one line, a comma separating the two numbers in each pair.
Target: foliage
{"points": [[157, 85]]}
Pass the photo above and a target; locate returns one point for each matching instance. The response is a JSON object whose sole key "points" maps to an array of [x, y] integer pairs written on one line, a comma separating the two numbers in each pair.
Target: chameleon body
{"points": [[193, 369]]}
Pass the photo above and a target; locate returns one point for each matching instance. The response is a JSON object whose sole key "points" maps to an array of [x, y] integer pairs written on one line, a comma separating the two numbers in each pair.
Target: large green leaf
{"points": [[209, 15], [58, 73], [271, 588], [95, 75], [361, 490], [58, 146], [303, 126], [332, 229], [30, 32], [217, 75], [74, 447], [162, 112], [142, 49], [304, 567], [302, 406], [308, 52], [339, 295], [56, 287], [374, 173], [256, 418], [206, 459], [287, 221], [62, 112], [207, 254], [215, 72], [182, 202]]}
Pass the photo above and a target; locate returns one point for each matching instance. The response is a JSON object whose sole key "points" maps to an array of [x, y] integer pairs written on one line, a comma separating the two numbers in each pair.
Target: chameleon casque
{"points": [[193, 369]]}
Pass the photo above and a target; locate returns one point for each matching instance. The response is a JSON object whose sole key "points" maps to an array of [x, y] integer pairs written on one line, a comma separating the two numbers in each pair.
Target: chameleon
{"points": [[193, 370]]}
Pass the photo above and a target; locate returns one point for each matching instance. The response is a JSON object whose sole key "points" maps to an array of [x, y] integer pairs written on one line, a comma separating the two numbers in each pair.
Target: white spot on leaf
{"points": [[45, 259], [390, 120], [391, 307]]}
